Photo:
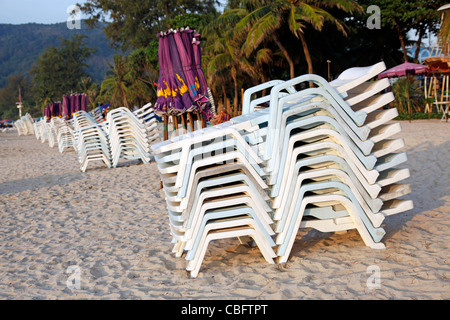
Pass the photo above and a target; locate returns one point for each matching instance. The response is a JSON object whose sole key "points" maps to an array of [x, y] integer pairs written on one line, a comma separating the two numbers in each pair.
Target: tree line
{"points": [[249, 42]]}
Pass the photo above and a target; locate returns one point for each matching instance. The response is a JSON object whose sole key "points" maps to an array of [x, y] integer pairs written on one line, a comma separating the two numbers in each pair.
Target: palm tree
{"points": [[444, 31], [91, 90], [266, 17], [227, 58], [117, 83], [232, 60], [143, 68]]}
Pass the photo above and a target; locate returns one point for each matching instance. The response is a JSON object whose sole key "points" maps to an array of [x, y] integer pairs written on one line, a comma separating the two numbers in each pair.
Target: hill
{"points": [[21, 45]]}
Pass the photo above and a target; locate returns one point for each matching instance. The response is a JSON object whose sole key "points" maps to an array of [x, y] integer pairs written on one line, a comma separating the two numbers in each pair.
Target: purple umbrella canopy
{"points": [[198, 64], [169, 89], [189, 87], [73, 103], [181, 85], [78, 102], [66, 107], [57, 109], [84, 102], [52, 110], [203, 100], [404, 69]]}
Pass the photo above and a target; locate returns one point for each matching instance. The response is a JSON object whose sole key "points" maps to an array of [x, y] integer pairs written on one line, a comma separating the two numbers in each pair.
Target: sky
{"points": [[38, 11]]}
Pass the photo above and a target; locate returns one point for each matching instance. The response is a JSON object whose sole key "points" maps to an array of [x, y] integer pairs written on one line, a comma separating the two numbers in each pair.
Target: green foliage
{"points": [[92, 91], [191, 20], [135, 23], [405, 16], [416, 97], [130, 81], [116, 85], [9, 96], [58, 70], [419, 116], [144, 68]]}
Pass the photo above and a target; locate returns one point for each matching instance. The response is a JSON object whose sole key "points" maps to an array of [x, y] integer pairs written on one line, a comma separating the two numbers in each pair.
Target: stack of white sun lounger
{"points": [[124, 134], [65, 137], [91, 140], [130, 136], [323, 158], [53, 129], [25, 125]]}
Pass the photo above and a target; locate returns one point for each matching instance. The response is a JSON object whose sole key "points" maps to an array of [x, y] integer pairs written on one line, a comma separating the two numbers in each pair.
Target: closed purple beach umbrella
{"points": [[181, 80], [72, 104], [202, 100], [84, 102], [198, 64], [52, 110], [184, 47], [66, 107], [55, 111], [171, 83], [78, 102], [161, 105]]}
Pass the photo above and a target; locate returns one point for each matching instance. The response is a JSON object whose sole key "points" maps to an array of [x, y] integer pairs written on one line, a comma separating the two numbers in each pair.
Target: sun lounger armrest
{"points": [[248, 93]]}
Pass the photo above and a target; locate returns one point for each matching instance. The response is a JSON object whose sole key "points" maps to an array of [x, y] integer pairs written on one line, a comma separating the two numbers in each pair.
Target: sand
{"points": [[108, 229]]}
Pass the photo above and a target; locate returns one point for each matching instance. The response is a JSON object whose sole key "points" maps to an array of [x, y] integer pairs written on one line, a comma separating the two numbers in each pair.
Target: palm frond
{"points": [[263, 29]]}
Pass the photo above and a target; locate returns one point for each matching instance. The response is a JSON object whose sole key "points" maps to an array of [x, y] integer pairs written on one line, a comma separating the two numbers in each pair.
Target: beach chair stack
{"points": [[131, 135], [323, 157], [91, 140], [53, 128], [25, 125], [123, 135], [21, 128], [65, 137], [43, 129], [37, 128]]}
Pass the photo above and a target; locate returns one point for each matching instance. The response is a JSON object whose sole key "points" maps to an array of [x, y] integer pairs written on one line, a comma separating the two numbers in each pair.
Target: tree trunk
{"points": [[286, 55], [402, 42], [307, 54], [224, 92], [124, 98], [409, 100], [236, 91], [263, 80], [418, 44]]}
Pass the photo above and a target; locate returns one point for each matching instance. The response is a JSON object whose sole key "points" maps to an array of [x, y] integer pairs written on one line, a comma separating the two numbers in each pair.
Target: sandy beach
{"points": [[111, 224]]}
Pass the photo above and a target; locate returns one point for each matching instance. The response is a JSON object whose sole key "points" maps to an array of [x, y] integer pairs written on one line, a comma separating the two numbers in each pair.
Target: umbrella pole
{"points": [[175, 123], [183, 122], [427, 107], [200, 117], [191, 121], [166, 128], [166, 137], [409, 103]]}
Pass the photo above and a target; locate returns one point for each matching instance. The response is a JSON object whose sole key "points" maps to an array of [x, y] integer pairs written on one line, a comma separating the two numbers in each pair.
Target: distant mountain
{"points": [[21, 45]]}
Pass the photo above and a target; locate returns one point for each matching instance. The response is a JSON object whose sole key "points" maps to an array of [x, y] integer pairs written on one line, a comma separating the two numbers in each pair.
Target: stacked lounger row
{"points": [[57, 132], [25, 125], [124, 134], [322, 157]]}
